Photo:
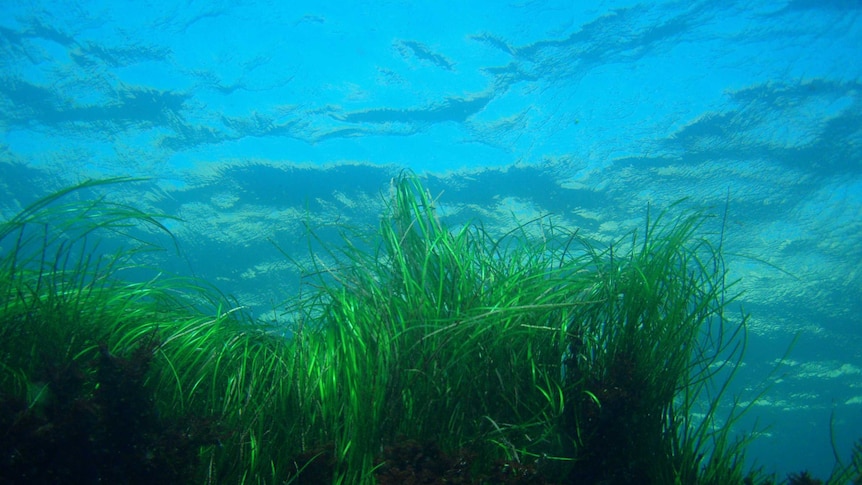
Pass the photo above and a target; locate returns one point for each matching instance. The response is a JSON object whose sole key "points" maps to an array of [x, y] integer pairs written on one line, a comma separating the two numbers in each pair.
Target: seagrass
{"points": [[538, 346], [502, 344]]}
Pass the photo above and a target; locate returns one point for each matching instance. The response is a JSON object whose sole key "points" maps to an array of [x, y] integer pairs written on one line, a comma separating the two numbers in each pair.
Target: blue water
{"points": [[255, 118]]}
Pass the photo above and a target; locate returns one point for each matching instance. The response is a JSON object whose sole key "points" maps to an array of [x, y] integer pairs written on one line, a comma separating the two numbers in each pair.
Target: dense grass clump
{"points": [[102, 379], [418, 354], [534, 347]]}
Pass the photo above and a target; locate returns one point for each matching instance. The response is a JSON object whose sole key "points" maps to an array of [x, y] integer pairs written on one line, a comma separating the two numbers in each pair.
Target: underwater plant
{"points": [[648, 354], [587, 362], [850, 472], [101, 378], [442, 336], [417, 354], [75, 401]]}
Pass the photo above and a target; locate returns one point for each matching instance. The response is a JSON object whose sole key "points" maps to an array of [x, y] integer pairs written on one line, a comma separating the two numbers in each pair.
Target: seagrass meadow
{"points": [[416, 353]]}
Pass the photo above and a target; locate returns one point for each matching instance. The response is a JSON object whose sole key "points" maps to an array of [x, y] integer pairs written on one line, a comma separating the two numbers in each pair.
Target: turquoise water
{"points": [[256, 119]]}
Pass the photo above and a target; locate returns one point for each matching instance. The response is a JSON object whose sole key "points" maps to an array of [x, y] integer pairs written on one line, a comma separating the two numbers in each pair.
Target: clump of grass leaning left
{"points": [[66, 305]]}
